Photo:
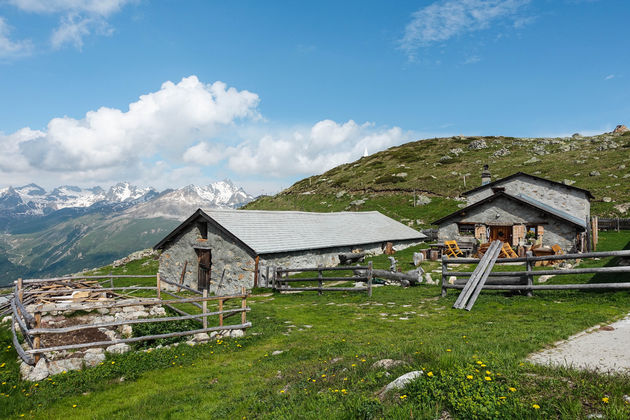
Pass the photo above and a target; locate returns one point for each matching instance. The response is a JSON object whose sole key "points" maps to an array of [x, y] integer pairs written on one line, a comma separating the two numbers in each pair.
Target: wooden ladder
{"points": [[473, 286]]}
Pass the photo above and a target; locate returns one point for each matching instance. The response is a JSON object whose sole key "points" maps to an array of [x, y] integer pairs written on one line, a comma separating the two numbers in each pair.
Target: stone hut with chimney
{"points": [[521, 208]]}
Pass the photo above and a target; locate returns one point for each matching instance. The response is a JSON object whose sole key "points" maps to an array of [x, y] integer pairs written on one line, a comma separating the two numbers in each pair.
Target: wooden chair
{"points": [[507, 251], [452, 249]]}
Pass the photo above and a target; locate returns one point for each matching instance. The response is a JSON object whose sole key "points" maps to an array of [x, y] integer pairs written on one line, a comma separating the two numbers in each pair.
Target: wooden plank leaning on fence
{"points": [[480, 272]]}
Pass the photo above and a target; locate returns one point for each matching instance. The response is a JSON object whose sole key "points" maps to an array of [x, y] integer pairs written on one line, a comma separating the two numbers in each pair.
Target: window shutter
{"points": [[480, 233], [518, 234]]}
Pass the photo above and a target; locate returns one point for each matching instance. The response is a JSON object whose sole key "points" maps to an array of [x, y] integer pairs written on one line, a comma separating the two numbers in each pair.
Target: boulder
{"points": [[400, 382], [237, 333], [620, 129], [119, 348], [93, 357], [501, 152], [39, 372], [622, 208], [201, 337], [533, 159], [277, 352], [422, 200], [58, 366], [387, 363], [126, 331], [607, 199], [568, 182], [478, 144], [594, 173]]}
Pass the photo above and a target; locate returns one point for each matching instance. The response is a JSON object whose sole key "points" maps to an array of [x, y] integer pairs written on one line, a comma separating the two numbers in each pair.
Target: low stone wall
{"points": [[66, 314]]}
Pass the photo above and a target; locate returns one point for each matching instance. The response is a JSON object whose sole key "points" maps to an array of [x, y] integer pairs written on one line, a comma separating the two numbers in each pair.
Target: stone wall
{"points": [[558, 196], [227, 255], [506, 212]]}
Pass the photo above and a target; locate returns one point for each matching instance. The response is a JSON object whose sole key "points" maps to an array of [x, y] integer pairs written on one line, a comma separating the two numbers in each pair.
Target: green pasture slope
{"points": [[442, 168], [474, 362]]}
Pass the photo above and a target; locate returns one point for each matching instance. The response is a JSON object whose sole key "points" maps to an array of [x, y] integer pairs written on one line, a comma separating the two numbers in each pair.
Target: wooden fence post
{"points": [[204, 308], [369, 279], [273, 280], [320, 276], [38, 324], [20, 290], [244, 306], [158, 286], [111, 281], [267, 276], [444, 273], [256, 269], [221, 314], [529, 267]]}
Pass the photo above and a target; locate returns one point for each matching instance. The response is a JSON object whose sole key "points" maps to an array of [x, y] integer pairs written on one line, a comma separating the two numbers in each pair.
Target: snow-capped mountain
{"points": [[181, 203], [33, 200]]}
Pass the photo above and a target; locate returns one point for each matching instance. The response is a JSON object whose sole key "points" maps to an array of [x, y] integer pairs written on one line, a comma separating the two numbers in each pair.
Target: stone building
{"points": [[521, 208], [224, 249]]}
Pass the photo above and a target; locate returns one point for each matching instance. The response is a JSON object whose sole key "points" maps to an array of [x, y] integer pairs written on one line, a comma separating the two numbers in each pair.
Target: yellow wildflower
{"points": [[430, 374], [535, 406], [487, 378], [512, 389], [469, 376], [605, 400]]}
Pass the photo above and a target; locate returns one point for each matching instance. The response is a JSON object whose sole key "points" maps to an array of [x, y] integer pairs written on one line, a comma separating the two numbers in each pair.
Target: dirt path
{"points": [[605, 349]]}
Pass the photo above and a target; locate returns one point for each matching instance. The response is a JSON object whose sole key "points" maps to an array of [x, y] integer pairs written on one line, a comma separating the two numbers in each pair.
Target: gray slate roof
{"points": [[268, 232], [549, 209]]}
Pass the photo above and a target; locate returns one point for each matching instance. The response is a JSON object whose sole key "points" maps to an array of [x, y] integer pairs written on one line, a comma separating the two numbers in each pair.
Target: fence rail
{"points": [[280, 279], [613, 224], [504, 280], [32, 331]]}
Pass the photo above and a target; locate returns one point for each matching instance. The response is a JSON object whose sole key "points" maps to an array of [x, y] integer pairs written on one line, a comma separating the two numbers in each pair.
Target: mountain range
{"points": [[70, 228]]}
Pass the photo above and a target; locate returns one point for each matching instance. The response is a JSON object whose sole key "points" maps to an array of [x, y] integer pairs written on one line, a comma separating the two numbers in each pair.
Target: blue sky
{"points": [[168, 93]]}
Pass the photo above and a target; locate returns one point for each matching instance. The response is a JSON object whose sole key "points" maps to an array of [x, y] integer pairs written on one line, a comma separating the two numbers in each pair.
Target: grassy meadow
{"points": [[473, 362]]}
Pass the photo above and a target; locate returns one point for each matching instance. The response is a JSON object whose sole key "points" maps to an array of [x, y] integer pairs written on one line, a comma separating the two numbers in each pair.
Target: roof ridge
{"points": [[289, 211]]}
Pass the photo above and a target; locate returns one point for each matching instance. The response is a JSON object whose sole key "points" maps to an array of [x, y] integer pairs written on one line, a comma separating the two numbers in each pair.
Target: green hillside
{"points": [[73, 245], [436, 168]]}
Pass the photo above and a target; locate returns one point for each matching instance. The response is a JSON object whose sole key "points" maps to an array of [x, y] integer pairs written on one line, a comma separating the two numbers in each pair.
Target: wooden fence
{"points": [[30, 322], [613, 224], [523, 280], [280, 279]]}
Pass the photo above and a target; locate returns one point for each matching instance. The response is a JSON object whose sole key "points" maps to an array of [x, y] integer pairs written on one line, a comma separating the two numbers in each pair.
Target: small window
{"points": [[203, 229], [531, 232], [466, 230]]}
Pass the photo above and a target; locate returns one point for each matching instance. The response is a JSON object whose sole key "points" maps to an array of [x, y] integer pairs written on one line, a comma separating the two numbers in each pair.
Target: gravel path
{"points": [[605, 349]]}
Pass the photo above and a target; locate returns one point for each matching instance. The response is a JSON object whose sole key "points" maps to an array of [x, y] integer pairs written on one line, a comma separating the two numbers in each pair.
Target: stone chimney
{"points": [[486, 177]]}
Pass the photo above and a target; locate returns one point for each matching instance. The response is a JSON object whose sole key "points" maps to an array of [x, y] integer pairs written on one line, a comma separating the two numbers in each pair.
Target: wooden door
{"points": [[501, 233], [205, 269]]}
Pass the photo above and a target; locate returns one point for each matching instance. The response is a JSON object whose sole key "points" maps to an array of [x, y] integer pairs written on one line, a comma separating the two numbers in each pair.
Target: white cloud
{"points": [[443, 20], [472, 59], [311, 150], [78, 18], [184, 133], [610, 76], [167, 121], [8, 47], [97, 7]]}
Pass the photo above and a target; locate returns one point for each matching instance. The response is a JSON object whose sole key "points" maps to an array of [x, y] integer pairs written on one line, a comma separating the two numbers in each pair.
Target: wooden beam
{"points": [[137, 339]]}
